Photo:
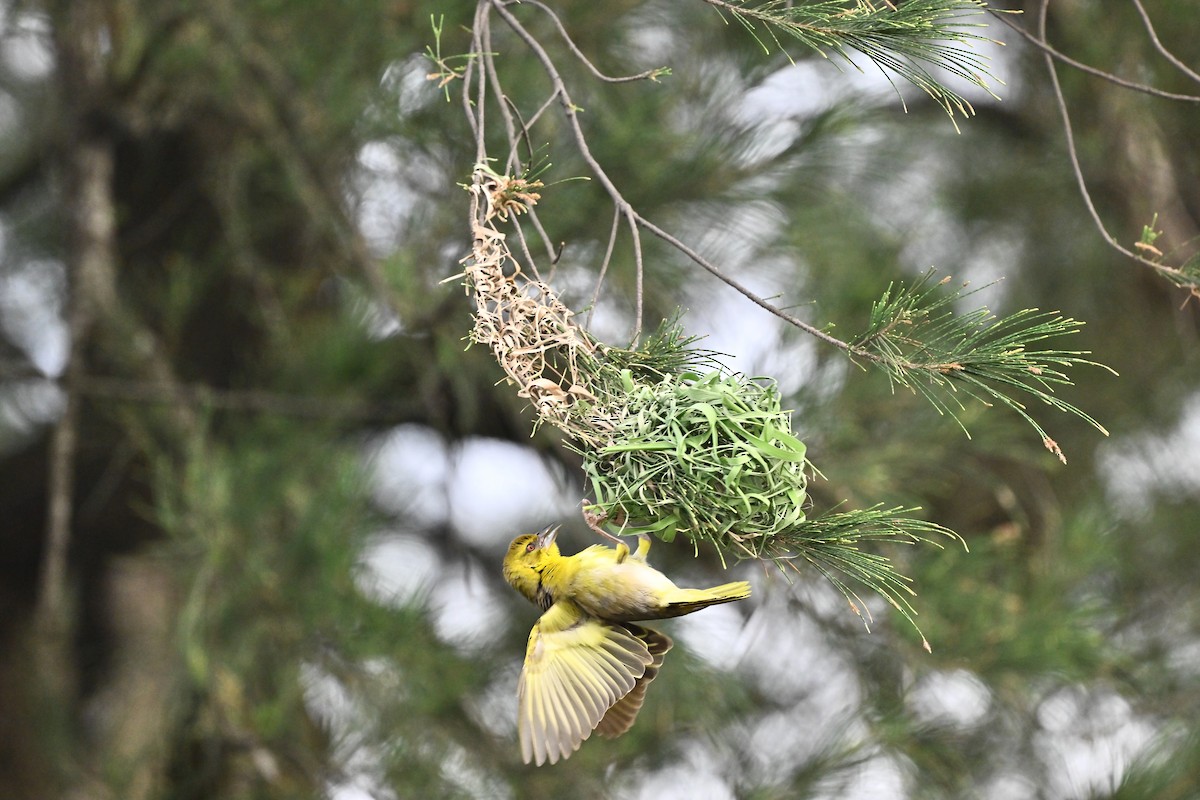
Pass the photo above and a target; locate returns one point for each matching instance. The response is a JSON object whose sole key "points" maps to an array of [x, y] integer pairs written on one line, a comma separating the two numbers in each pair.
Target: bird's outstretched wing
{"points": [[618, 719], [577, 667]]}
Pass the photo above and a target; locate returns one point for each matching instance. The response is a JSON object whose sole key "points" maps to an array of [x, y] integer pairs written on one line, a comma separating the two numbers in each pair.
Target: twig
{"points": [[241, 400], [649, 74], [1158, 45], [1040, 43], [1061, 102], [639, 270], [475, 110], [533, 268], [512, 164], [608, 252], [625, 209], [761, 302], [518, 133]]}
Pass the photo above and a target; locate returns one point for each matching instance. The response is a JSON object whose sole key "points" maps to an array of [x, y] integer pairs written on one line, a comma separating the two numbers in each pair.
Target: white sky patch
{"points": [[714, 636], [812, 86], [878, 778], [494, 709], [399, 570], [1089, 737], [467, 772], [750, 339], [498, 489], [488, 489], [780, 742], [404, 569], [31, 311], [806, 89], [26, 51], [409, 469], [409, 83], [791, 658], [1184, 657], [342, 714], [953, 697], [1009, 786], [356, 788], [697, 777], [1137, 468], [25, 405], [467, 613], [384, 196]]}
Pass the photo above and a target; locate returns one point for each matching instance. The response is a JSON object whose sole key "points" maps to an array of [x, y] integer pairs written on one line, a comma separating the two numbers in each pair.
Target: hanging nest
{"points": [[710, 456], [671, 442]]}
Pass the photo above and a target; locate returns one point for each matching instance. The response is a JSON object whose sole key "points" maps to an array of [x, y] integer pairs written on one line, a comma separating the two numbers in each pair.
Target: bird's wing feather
{"points": [[619, 719], [576, 668]]}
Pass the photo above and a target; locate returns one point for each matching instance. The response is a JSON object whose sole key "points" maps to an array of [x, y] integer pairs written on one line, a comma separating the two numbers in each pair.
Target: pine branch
{"points": [[909, 40], [831, 544], [924, 346]]}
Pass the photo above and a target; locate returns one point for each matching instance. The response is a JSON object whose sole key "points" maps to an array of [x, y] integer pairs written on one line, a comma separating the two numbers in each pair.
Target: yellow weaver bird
{"points": [[587, 666]]}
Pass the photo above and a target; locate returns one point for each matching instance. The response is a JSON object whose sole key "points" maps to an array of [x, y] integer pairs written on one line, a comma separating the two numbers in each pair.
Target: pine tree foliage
{"points": [[923, 345], [906, 39], [279, 577]]}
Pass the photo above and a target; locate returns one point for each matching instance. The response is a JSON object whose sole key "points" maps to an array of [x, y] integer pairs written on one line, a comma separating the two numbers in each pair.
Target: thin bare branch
{"points": [[201, 396], [93, 230], [541, 110], [1158, 45], [1039, 41], [518, 135], [649, 74], [476, 111], [761, 302], [640, 272], [1080, 180], [608, 252], [512, 163], [564, 99], [625, 209], [533, 268]]}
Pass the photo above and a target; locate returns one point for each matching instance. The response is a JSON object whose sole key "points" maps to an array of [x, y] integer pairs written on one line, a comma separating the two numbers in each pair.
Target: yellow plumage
{"points": [[586, 665]]}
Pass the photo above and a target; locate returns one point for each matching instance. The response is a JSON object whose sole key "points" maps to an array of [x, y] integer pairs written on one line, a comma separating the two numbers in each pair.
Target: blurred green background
{"points": [[293, 483]]}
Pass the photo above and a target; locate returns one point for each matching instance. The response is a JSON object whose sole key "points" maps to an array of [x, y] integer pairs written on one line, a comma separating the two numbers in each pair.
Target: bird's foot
{"points": [[643, 547], [622, 552], [594, 521]]}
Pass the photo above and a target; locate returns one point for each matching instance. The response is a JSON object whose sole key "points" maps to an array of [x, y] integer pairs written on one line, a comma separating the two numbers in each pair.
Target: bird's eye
{"points": [[529, 547]]}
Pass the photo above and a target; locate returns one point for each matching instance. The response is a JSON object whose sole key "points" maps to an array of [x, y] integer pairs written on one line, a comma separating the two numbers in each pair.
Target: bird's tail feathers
{"points": [[685, 601]]}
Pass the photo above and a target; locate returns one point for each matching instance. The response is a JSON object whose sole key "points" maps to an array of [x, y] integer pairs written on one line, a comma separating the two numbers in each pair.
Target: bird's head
{"points": [[527, 556]]}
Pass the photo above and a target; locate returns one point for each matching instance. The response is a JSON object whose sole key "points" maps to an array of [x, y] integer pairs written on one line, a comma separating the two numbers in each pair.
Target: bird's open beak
{"points": [[547, 536]]}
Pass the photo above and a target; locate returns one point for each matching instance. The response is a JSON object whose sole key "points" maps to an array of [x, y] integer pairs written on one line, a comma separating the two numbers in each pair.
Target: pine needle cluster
{"points": [[912, 40], [915, 336]]}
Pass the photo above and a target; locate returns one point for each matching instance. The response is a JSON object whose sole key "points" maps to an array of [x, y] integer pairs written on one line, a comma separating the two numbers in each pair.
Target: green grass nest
{"points": [[711, 456]]}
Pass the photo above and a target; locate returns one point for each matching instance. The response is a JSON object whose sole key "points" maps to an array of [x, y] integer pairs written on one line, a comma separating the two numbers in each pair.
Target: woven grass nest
{"points": [[671, 442]]}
